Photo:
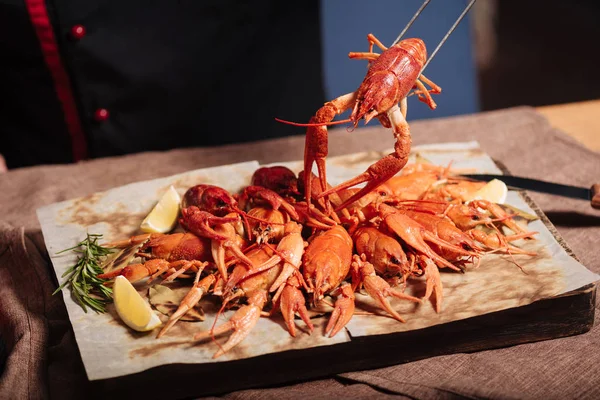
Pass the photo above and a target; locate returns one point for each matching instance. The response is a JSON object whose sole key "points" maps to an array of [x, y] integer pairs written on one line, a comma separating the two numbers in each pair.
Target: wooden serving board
{"points": [[566, 315], [529, 320], [561, 316]]}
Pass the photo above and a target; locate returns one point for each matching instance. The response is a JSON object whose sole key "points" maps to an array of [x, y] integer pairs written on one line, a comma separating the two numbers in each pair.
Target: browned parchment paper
{"points": [[110, 349]]}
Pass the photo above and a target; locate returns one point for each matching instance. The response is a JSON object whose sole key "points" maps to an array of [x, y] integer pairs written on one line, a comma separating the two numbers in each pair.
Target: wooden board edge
{"points": [[565, 315]]}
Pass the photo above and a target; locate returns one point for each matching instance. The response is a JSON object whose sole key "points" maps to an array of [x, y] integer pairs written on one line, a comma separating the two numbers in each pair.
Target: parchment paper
{"points": [[110, 349]]}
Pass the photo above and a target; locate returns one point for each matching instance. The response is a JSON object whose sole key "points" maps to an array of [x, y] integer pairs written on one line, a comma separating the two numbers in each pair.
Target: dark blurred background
{"points": [[508, 53], [537, 52], [270, 59]]}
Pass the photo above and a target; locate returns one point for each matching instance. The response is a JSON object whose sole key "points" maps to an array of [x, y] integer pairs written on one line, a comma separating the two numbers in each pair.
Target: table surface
{"points": [[44, 355], [579, 120]]}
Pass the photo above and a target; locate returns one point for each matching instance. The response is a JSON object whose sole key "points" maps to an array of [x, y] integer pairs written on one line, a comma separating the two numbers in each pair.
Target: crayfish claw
{"points": [[241, 323], [292, 301], [433, 284], [342, 312], [189, 301], [378, 288]]}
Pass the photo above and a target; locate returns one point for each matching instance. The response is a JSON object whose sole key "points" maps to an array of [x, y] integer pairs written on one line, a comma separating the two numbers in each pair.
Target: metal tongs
{"points": [[452, 28], [592, 194]]}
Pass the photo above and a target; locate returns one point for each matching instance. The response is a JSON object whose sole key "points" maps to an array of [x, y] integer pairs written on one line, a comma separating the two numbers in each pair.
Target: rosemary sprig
{"points": [[87, 289]]}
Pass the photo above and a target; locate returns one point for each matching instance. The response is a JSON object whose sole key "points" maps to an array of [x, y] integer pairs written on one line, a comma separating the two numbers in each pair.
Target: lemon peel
{"points": [[133, 310], [163, 217], [494, 191]]}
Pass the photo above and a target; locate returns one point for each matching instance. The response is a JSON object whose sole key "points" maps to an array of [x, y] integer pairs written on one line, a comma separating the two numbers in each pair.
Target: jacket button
{"points": [[101, 115], [77, 32]]}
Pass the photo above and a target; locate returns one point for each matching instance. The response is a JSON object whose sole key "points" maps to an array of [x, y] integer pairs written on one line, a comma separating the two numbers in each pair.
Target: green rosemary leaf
{"points": [[87, 289]]}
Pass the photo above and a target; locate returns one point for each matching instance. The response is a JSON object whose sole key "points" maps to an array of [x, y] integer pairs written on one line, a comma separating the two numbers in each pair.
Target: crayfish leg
{"points": [[164, 266], [506, 218], [374, 41], [114, 273], [424, 94], [186, 266], [363, 55]]}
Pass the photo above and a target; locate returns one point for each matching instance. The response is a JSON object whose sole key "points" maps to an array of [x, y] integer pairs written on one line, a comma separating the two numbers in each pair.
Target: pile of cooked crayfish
{"points": [[291, 243], [268, 249]]}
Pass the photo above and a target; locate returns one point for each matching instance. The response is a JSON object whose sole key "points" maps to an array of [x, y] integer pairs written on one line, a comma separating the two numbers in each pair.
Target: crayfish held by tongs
{"points": [[392, 77]]}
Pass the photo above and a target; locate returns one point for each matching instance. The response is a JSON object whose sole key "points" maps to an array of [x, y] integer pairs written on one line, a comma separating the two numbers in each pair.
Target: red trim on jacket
{"points": [[38, 14]]}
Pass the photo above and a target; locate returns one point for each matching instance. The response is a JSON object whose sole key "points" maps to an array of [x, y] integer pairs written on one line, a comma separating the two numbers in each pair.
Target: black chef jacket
{"points": [[83, 79]]}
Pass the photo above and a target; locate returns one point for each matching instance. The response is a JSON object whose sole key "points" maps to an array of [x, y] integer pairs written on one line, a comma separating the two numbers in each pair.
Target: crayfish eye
{"points": [[382, 193], [475, 218], [394, 260]]}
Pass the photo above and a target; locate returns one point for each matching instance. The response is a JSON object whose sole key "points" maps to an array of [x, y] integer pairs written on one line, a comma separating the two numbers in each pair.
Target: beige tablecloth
{"points": [[41, 358]]}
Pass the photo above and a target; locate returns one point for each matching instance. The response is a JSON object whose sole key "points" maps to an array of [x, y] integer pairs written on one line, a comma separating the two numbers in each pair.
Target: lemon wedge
{"points": [[132, 308], [163, 216], [494, 191]]}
